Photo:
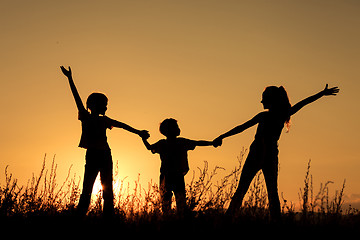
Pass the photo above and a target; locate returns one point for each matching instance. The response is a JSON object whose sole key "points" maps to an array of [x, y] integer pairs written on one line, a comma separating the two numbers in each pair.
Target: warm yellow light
{"points": [[97, 186]]}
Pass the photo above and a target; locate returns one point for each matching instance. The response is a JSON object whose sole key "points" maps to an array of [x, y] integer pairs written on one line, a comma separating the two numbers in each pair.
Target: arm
{"points": [[238, 129], [74, 91], [142, 133], [203, 143], [147, 144], [326, 92]]}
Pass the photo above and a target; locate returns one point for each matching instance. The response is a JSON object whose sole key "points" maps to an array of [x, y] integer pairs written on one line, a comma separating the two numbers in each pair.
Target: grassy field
{"points": [[46, 205]]}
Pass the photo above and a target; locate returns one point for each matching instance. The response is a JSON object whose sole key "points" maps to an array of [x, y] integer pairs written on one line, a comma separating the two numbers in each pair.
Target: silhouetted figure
{"points": [[174, 163], [263, 154], [93, 138]]}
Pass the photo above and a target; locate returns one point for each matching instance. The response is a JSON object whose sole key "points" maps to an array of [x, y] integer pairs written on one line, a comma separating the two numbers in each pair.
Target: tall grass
{"points": [[207, 198], [42, 195]]}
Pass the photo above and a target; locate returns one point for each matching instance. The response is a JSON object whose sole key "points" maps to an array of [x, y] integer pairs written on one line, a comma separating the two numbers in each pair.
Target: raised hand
{"points": [[330, 91], [66, 72]]}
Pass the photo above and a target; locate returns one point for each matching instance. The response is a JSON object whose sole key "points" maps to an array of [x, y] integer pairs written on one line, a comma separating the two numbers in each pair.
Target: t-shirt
{"points": [[94, 131], [173, 154]]}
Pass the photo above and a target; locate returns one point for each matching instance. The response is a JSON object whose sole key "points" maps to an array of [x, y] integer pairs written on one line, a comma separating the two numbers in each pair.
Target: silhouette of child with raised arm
{"points": [[263, 154], [174, 163], [93, 138]]}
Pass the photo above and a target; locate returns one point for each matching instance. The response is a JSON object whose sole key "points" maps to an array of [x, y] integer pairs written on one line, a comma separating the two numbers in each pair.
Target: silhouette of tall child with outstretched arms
{"points": [[174, 163], [263, 154], [93, 139]]}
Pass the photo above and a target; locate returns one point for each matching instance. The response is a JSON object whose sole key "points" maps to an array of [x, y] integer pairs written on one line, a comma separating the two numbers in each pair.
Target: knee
{"points": [[166, 196], [274, 199], [180, 197], [85, 197], [108, 194]]}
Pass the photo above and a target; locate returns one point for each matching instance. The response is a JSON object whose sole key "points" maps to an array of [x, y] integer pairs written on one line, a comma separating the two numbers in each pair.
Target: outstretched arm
{"points": [[238, 129], [147, 144], [74, 91], [203, 143], [326, 92], [142, 133]]}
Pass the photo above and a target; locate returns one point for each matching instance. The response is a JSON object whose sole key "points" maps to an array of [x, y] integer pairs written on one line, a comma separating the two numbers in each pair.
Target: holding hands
{"points": [[144, 134], [217, 142]]}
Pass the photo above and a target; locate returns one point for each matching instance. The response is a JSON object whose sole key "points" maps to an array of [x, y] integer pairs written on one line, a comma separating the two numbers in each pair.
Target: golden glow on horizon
{"points": [[205, 65], [118, 185]]}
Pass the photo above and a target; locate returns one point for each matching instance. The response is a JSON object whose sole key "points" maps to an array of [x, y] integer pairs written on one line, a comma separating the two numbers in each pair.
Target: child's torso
{"points": [[173, 155], [269, 128], [94, 131]]}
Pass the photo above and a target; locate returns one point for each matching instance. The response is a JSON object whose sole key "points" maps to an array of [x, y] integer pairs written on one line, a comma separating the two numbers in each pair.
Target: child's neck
{"points": [[96, 114], [171, 137]]}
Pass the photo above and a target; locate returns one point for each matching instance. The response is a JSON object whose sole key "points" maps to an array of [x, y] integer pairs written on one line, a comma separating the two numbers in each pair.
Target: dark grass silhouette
{"points": [[45, 205]]}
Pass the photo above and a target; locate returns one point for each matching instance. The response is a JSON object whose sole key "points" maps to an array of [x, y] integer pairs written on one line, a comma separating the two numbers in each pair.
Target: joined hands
{"points": [[217, 142], [144, 134]]}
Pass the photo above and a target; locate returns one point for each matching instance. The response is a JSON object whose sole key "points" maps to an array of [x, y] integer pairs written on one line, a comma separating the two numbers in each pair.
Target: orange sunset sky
{"points": [[204, 63]]}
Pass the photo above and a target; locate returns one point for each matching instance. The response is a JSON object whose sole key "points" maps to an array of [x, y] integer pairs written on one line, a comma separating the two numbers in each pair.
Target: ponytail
{"points": [[285, 106]]}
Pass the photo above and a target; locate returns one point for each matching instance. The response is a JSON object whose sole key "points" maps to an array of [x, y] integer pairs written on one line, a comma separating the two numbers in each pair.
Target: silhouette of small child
{"points": [[263, 154], [174, 163], [93, 138]]}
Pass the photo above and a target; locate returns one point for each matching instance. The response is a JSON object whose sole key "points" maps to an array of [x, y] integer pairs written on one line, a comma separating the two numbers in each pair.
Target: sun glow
{"points": [[146, 67], [97, 188]]}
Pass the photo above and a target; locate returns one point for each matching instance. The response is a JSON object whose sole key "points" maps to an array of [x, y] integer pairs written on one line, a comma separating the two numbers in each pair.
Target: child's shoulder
{"points": [[185, 141], [83, 114], [182, 139], [178, 140], [161, 141], [262, 114]]}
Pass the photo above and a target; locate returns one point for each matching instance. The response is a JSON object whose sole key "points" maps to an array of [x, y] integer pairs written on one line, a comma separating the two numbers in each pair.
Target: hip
{"points": [[94, 155], [263, 152]]}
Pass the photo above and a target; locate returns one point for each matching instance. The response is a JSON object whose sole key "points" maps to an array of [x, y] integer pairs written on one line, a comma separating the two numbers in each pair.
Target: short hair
{"points": [[169, 127], [96, 99]]}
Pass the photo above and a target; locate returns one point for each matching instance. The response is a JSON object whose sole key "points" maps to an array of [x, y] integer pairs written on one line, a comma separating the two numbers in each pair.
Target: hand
{"points": [[144, 134], [217, 142], [330, 91], [66, 72]]}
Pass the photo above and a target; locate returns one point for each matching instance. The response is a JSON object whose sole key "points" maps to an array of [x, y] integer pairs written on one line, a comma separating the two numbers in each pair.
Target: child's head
{"points": [[97, 103], [276, 99], [169, 128]]}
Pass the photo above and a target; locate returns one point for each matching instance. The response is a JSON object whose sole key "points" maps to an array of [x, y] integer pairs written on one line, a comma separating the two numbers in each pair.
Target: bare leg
{"points": [[107, 184], [165, 194], [270, 171], [91, 171], [251, 167]]}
